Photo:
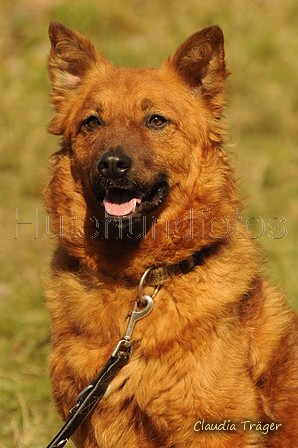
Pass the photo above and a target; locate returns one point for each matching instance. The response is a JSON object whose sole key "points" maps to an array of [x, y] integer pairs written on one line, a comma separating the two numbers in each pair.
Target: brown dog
{"points": [[141, 181]]}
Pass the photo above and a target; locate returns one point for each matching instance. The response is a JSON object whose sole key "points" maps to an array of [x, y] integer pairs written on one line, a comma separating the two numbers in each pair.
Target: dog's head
{"points": [[133, 136], [139, 147]]}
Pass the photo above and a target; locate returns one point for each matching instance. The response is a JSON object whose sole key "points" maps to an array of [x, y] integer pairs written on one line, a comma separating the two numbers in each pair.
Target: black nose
{"points": [[113, 164]]}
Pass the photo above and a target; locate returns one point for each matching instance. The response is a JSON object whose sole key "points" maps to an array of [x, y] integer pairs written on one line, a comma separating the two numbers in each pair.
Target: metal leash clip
{"points": [[136, 315]]}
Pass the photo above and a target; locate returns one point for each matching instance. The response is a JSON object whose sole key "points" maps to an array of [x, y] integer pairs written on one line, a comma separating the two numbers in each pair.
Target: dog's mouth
{"points": [[125, 203]]}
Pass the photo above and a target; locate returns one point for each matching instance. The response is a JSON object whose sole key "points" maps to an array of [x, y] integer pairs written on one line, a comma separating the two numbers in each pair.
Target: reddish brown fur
{"points": [[220, 343]]}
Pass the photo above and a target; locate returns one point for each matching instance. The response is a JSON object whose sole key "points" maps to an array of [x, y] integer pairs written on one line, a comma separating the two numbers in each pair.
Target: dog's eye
{"points": [[157, 121], [92, 123]]}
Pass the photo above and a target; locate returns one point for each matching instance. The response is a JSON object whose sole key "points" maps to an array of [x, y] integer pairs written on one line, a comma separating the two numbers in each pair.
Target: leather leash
{"points": [[91, 396]]}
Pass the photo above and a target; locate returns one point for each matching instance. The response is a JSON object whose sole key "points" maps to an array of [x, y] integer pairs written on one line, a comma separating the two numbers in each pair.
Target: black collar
{"points": [[160, 273]]}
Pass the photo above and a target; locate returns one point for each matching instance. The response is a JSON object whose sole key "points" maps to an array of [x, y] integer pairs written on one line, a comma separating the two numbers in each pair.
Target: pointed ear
{"points": [[200, 61], [72, 56]]}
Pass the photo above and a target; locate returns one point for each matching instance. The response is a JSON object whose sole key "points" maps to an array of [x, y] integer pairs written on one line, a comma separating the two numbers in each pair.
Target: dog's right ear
{"points": [[72, 56]]}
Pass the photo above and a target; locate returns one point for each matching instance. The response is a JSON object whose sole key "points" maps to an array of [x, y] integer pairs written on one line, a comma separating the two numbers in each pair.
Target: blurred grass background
{"points": [[261, 52]]}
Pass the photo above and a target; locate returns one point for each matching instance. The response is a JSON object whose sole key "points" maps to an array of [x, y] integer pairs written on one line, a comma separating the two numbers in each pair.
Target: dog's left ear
{"points": [[200, 61]]}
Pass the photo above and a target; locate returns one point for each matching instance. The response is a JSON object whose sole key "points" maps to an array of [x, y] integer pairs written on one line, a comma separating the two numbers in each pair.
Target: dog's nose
{"points": [[113, 164]]}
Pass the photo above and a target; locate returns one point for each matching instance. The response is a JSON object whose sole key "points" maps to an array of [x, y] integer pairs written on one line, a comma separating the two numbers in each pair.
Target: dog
{"points": [[142, 188]]}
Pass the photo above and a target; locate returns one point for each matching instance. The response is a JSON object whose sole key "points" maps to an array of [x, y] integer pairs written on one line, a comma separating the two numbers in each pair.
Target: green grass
{"points": [[261, 51]]}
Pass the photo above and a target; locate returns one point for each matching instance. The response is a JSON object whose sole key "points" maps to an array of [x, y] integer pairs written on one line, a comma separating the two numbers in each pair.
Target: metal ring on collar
{"points": [[141, 284]]}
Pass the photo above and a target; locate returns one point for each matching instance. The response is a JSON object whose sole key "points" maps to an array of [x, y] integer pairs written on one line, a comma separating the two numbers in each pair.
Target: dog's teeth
{"points": [[134, 206]]}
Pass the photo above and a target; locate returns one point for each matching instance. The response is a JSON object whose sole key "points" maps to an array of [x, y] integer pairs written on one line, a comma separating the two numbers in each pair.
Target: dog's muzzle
{"points": [[122, 196]]}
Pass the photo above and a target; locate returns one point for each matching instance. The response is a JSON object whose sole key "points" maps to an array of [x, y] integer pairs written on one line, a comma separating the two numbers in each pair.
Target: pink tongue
{"points": [[120, 202]]}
